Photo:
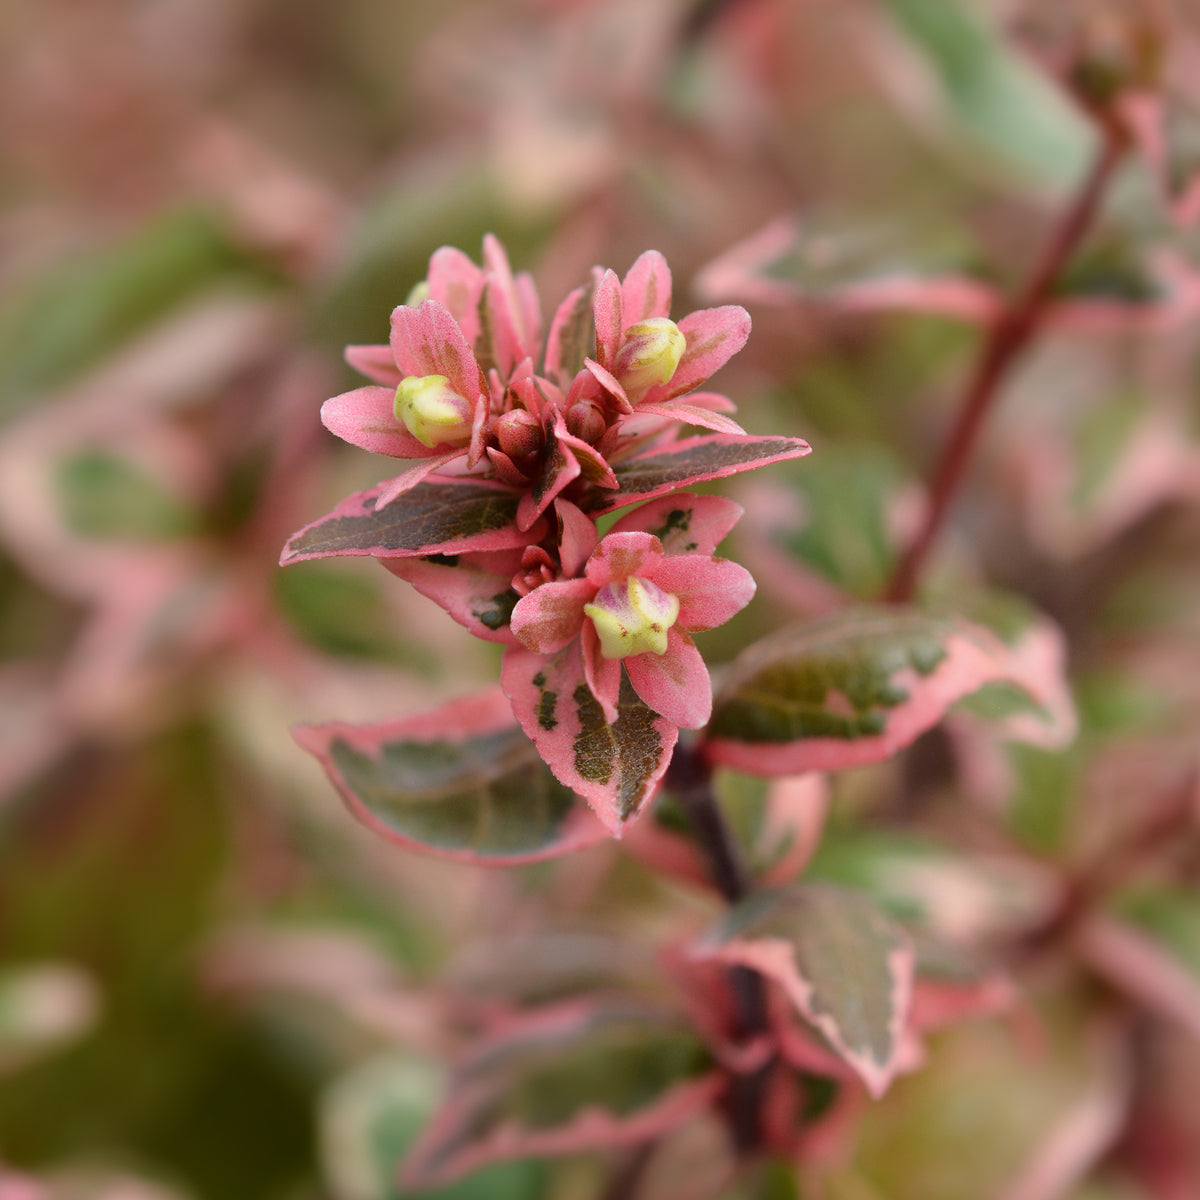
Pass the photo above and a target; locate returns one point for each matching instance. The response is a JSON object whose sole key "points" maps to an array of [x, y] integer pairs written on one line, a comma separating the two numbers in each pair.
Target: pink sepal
{"points": [[577, 536], [623, 554], [550, 617], [675, 684], [564, 317], [428, 341], [606, 311], [457, 283], [603, 674], [646, 290], [714, 336], [365, 418], [375, 362], [609, 382], [709, 590]]}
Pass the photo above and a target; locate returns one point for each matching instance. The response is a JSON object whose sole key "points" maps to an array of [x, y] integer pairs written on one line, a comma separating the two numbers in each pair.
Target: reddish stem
{"points": [[1010, 335]]}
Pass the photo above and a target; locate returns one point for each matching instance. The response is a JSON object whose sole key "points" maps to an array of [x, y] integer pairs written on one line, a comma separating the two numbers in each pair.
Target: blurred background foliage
{"points": [[204, 963]]}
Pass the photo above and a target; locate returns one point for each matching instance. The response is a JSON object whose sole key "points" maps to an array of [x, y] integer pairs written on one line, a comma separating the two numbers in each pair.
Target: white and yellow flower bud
{"points": [[433, 412], [649, 354], [632, 617]]}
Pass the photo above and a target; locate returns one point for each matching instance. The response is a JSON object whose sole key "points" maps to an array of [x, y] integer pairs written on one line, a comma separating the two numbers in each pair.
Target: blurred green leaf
{"points": [[999, 100], [69, 317], [104, 496]]}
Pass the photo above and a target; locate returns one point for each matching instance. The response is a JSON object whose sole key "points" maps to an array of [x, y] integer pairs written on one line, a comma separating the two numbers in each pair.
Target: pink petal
{"points": [[603, 674], [685, 523], [375, 362], [577, 536], [429, 341], [550, 617], [674, 684], [609, 382], [620, 555], [646, 291], [365, 418], [714, 336], [457, 283], [709, 590], [606, 311]]}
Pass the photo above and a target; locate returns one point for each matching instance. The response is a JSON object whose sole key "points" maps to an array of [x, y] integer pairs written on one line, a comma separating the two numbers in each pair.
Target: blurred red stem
{"points": [[1008, 337]]}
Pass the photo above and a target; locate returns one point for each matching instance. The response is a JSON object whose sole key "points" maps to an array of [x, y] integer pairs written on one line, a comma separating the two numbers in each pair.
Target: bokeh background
{"points": [[213, 984]]}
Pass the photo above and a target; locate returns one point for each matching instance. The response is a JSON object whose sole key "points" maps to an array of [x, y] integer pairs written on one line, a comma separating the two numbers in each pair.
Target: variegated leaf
{"points": [[461, 782]]}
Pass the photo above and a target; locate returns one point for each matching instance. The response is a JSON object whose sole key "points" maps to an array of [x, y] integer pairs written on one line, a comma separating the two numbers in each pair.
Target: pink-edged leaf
{"points": [[577, 536], [615, 766], [714, 336], [610, 383], [398, 485], [446, 516], [693, 460], [646, 289], [844, 965], [566, 459], [460, 782], [853, 688], [685, 523], [572, 335], [428, 341], [375, 362], [475, 589], [689, 414], [365, 418], [579, 1076], [791, 262]]}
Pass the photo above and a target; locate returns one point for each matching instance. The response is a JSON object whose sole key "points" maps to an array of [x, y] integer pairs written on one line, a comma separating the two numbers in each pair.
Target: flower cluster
{"points": [[521, 443]]}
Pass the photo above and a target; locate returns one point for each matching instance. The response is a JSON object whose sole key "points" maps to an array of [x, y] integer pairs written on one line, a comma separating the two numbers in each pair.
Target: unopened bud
{"points": [[649, 355], [432, 411], [632, 617], [519, 433], [586, 421], [418, 294]]}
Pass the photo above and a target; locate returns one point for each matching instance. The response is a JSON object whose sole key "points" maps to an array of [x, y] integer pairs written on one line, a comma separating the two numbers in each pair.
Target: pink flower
{"points": [[634, 609]]}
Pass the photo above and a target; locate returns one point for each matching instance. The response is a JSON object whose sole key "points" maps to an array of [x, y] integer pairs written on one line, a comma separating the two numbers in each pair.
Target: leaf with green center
{"points": [[695, 460], [446, 516], [584, 1075], [854, 688], [844, 965], [460, 782], [616, 767]]}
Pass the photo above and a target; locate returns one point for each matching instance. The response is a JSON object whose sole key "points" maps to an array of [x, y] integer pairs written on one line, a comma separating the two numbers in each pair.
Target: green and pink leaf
{"points": [[845, 966], [615, 766], [578, 1076], [855, 688], [461, 782], [442, 516]]}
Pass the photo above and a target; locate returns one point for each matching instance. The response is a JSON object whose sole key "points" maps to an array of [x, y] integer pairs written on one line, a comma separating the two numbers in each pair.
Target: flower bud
{"points": [[649, 355], [632, 617], [519, 433], [432, 411], [418, 294], [586, 421]]}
